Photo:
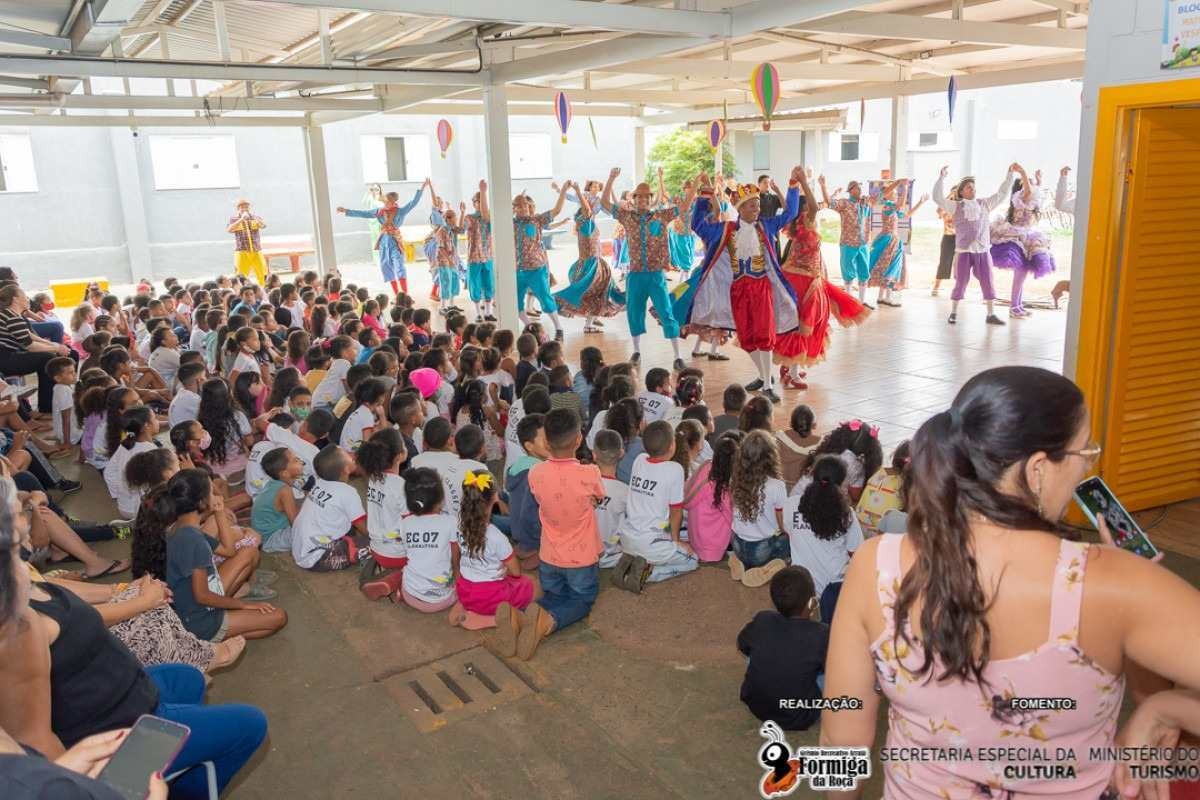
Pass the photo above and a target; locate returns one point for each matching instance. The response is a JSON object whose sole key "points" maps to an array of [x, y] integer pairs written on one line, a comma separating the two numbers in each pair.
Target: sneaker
{"points": [[478, 320], [717, 357], [770, 395], [68, 487], [121, 528], [952, 319], [868, 306], [992, 319], [490, 318], [736, 568], [621, 570], [761, 576], [636, 358], [536, 625], [508, 630], [635, 579], [678, 365], [754, 385], [260, 593]]}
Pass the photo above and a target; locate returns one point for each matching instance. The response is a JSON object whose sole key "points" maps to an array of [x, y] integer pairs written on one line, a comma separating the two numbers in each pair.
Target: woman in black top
{"points": [[21, 350]]}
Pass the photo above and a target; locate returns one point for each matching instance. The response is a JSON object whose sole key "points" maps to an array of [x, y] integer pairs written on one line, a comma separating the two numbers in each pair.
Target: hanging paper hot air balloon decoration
{"points": [[562, 113], [445, 135], [952, 96], [764, 83], [716, 134]]}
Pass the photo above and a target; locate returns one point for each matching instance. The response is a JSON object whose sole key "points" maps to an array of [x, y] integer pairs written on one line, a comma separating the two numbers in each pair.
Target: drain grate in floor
{"points": [[455, 688]]}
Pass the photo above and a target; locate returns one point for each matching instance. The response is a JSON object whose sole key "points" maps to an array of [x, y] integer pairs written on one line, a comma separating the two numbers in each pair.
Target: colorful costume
{"points": [[734, 290], [646, 242], [533, 274], [805, 270], [620, 250], [1018, 245], [973, 239], [389, 242], [481, 274], [446, 257], [946, 257], [373, 225], [247, 248], [683, 249], [855, 258], [591, 292], [887, 251]]}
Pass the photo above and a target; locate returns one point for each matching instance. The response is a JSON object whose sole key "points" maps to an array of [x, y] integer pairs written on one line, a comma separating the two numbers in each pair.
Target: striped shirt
{"points": [[15, 333]]}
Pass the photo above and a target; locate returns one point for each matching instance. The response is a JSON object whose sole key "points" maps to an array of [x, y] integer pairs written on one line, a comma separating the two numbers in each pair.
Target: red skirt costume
{"points": [[818, 300], [754, 308]]}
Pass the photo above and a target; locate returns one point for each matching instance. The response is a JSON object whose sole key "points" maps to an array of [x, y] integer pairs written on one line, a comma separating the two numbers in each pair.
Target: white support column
{"points": [[164, 51], [318, 192], [899, 157], [495, 124], [326, 42], [223, 52], [133, 207], [639, 154]]}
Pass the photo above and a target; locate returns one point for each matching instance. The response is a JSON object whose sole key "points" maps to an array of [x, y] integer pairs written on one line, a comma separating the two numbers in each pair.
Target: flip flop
{"points": [[111, 570]]}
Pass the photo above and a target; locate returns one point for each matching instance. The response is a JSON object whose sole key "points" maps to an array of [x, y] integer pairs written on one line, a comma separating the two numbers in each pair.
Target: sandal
{"points": [[116, 567]]}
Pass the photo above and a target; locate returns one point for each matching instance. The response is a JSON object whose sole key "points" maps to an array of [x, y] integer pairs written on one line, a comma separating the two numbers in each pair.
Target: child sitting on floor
{"points": [[656, 401], [431, 540], [452, 457], [379, 459], [708, 500], [760, 549], [329, 533], [275, 506], [650, 534], [524, 518], [62, 371], [881, 495], [610, 512], [822, 529], [785, 653], [567, 493], [857, 444], [732, 402], [488, 570]]}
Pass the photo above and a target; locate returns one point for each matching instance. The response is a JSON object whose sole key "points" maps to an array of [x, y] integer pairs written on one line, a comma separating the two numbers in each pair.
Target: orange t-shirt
{"points": [[566, 492]]}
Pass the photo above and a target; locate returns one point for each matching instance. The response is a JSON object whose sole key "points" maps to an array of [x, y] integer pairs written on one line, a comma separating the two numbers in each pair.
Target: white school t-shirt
{"points": [[443, 398], [655, 406], [185, 407], [610, 513], [114, 478], [598, 423], [386, 508], [327, 515], [64, 400], [452, 470], [654, 487], [331, 389], [256, 477], [244, 363], [512, 445], [765, 526], [825, 559], [196, 340], [165, 361], [304, 450], [352, 432], [429, 541], [297, 310], [488, 566], [500, 379]]}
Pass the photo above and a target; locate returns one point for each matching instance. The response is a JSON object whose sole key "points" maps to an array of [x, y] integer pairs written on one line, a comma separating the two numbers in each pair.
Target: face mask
{"points": [[301, 413], [205, 440], [47, 306]]}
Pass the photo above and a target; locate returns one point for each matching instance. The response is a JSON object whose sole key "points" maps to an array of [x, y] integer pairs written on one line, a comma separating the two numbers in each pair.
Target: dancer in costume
{"points": [[481, 274], [855, 213], [446, 229], [1017, 244], [740, 285], [390, 241], [946, 255], [973, 241], [533, 271], [649, 258], [804, 269], [887, 249], [247, 244], [1064, 201], [683, 252], [591, 293]]}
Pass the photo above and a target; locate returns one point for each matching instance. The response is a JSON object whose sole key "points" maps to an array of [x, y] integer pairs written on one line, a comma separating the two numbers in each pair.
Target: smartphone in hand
{"points": [[1097, 500], [150, 747]]}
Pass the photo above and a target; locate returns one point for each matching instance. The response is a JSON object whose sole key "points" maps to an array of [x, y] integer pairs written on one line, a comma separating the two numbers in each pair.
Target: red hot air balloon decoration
{"points": [[562, 113], [764, 84], [445, 135], [716, 134]]}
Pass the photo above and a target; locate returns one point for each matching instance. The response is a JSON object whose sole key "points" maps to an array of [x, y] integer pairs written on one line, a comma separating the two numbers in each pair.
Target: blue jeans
{"points": [[829, 599], [227, 735], [679, 563], [569, 592], [51, 329], [649, 287], [755, 554]]}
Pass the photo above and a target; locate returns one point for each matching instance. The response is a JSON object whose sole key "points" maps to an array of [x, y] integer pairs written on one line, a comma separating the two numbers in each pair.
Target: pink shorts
{"points": [[482, 598], [427, 608]]}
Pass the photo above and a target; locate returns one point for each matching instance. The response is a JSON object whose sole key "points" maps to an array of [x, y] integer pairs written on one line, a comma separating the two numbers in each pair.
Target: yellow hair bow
{"points": [[478, 480]]}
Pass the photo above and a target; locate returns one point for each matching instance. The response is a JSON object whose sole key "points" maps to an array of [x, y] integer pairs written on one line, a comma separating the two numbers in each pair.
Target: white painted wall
{"points": [[1124, 46]]}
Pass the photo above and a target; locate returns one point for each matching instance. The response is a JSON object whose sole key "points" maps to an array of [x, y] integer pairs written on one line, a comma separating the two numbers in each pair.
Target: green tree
{"points": [[683, 154]]}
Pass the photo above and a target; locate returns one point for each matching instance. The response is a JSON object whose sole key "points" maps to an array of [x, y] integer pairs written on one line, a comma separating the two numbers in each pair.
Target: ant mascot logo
{"points": [[783, 771]]}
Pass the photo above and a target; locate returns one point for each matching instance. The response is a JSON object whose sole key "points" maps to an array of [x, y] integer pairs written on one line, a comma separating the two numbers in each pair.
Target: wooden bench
{"points": [[289, 247], [69, 293]]}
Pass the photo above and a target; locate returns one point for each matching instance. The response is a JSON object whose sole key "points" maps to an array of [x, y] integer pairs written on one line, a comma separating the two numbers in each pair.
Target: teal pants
{"points": [[447, 282], [538, 282], [481, 281], [643, 287]]}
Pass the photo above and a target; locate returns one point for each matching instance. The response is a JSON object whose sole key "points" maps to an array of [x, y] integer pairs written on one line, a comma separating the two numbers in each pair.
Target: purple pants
{"points": [[977, 264]]}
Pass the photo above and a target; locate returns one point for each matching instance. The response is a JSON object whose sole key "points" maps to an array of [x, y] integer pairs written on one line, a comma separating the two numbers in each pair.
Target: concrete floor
{"points": [[639, 701]]}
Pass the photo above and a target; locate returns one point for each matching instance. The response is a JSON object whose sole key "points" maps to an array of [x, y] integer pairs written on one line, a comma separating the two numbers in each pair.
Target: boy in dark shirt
{"points": [[527, 348], [785, 650], [731, 403]]}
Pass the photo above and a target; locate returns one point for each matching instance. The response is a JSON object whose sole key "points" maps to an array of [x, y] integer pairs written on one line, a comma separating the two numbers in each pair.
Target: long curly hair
{"points": [[187, 491], [471, 396], [114, 411], [475, 513], [216, 415], [286, 379], [757, 460], [824, 505], [861, 442], [688, 434], [724, 458]]}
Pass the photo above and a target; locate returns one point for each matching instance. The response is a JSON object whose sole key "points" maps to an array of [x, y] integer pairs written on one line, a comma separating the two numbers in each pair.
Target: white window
{"points": [[201, 161], [853, 146], [16, 164], [529, 155], [1016, 130], [395, 159], [762, 151]]}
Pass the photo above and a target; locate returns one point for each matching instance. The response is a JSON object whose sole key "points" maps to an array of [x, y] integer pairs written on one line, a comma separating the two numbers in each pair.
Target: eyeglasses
{"points": [[1090, 453]]}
